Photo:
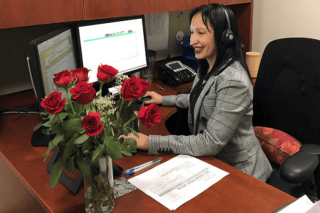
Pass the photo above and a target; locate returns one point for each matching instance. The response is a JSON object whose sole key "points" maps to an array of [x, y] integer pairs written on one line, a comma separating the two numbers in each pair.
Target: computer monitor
{"points": [[51, 54], [118, 42]]}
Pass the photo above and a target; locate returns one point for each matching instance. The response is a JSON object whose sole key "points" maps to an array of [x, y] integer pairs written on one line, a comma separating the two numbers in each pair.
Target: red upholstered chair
{"points": [[287, 101]]}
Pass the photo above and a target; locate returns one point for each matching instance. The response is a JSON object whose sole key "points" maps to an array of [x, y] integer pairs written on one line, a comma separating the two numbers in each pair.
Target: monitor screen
{"points": [[120, 43], [51, 54]]}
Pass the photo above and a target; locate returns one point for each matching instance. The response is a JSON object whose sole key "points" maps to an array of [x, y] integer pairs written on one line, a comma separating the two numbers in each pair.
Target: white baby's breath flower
{"points": [[120, 78], [104, 103]]}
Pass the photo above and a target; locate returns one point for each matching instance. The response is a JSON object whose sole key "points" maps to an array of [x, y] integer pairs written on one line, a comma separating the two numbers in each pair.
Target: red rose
{"points": [[133, 88], [63, 78], [106, 73], [83, 93], [92, 124], [53, 103], [81, 74], [149, 115]]}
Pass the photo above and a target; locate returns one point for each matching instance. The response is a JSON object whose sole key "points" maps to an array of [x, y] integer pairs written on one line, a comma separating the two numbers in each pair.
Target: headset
{"points": [[227, 35]]}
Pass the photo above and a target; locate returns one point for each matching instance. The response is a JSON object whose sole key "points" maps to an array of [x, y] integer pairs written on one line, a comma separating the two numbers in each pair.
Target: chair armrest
{"points": [[298, 167], [313, 149]]}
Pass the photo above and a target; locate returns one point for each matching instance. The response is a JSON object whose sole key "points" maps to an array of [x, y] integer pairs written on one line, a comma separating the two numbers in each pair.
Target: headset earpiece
{"points": [[227, 35]]}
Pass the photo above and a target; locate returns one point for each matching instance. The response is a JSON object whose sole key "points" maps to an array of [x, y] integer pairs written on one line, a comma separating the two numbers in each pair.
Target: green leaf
{"points": [[125, 150], [55, 126], [131, 142], [62, 115], [83, 166], [72, 125], [54, 143], [80, 140], [50, 147], [108, 140], [112, 148], [86, 146], [69, 166], [97, 153], [55, 172], [68, 150], [124, 131], [49, 123]]}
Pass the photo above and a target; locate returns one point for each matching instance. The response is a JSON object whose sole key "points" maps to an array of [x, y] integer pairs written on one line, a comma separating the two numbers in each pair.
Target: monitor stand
{"points": [[42, 136], [74, 185]]}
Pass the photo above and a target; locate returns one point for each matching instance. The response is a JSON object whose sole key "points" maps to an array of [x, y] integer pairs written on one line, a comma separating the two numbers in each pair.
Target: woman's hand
{"points": [[155, 98], [142, 141]]}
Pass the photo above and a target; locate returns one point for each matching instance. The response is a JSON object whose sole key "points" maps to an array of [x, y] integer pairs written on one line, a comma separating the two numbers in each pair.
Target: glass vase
{"points": [[98, 187]]}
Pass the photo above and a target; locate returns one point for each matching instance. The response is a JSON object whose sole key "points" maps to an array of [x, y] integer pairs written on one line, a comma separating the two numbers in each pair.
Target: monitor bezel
{"points": [[110, 20]]}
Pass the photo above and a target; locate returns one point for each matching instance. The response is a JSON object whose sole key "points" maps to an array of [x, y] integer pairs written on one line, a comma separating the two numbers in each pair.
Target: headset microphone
{"points": [[227, 35]]}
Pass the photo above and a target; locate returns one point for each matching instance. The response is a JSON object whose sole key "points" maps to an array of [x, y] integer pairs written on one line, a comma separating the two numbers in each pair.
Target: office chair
{"points": [[287, 102]]}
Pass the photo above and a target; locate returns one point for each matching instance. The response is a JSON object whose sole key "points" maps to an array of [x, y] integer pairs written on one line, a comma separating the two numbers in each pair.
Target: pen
{"points": [[159, 87], [141, 167]]}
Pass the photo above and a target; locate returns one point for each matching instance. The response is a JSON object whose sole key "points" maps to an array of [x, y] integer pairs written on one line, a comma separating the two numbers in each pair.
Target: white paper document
{"points": [[178, 180], [157, 28], [302, 205]]}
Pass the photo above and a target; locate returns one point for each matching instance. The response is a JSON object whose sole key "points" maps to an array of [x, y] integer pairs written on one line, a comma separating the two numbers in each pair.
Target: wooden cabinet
{"points": [[174, 5], [97, 9], [17, 13], [244, 15], [229, 2]]}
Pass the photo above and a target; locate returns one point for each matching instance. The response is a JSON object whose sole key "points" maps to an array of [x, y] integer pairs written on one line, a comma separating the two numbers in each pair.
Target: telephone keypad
{"points": [[184, 74]]}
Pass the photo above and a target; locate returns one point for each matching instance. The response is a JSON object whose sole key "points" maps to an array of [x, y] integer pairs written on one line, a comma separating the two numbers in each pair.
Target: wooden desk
{"points": [[237, 192]]}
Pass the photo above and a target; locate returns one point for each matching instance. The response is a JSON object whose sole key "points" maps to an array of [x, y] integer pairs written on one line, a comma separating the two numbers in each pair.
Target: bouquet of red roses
{"points": [[89, 125]]}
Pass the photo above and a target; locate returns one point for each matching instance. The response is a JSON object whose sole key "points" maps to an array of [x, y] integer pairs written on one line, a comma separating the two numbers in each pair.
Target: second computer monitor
{"points": [[119, 42]]}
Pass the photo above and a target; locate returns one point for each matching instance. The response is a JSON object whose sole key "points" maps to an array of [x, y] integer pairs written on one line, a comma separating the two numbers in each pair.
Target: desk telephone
{"points": [[175, 73]]}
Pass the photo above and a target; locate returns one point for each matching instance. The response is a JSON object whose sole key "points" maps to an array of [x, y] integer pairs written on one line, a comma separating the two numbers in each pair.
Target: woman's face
{"points": [[202, 39]]}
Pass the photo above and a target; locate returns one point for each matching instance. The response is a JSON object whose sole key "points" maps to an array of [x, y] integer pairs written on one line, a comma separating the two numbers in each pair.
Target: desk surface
{"points": [[237, 192]]}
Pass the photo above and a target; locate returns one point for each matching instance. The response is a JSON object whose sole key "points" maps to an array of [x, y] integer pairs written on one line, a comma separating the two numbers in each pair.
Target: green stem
{"points": [[70, 101], [101, 86]]}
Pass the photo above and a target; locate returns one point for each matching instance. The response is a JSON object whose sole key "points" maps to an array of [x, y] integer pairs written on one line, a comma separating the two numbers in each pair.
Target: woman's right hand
{"points": [[155, 98]]}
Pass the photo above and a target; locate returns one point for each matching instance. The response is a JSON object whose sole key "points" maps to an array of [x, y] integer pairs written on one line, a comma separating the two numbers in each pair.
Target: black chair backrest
{"points": [[287, 88]]}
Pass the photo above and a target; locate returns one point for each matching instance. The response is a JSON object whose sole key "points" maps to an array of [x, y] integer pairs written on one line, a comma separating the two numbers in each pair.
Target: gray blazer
{"points": [[225, 124]]}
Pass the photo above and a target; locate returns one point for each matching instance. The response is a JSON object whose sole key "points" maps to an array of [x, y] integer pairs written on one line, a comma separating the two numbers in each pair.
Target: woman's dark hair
{"points": [[214, 14]]}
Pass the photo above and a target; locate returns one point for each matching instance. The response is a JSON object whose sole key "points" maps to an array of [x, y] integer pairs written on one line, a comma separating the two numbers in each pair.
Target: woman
{"points": [[220, 102]]}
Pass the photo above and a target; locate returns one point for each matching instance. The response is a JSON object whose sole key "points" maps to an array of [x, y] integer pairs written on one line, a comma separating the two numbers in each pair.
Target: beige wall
{"points": [[273, 19]]}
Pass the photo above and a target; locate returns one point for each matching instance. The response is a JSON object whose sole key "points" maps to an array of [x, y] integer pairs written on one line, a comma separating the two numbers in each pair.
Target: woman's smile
{"points": [[198, 49]]}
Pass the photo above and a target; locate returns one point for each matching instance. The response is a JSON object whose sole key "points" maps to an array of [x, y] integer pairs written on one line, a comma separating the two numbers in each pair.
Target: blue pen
{"points": [[141, 167]]}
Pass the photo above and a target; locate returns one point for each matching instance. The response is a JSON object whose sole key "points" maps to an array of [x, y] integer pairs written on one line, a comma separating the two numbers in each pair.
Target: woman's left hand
{"points": [[142, 141]]}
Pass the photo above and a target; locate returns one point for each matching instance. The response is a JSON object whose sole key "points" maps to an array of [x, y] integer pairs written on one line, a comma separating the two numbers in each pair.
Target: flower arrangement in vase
{"points": [[88, 127]]}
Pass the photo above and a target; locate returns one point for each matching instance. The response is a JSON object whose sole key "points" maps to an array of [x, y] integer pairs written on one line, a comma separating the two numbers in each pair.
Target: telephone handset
{"points": [[175, 73]]}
